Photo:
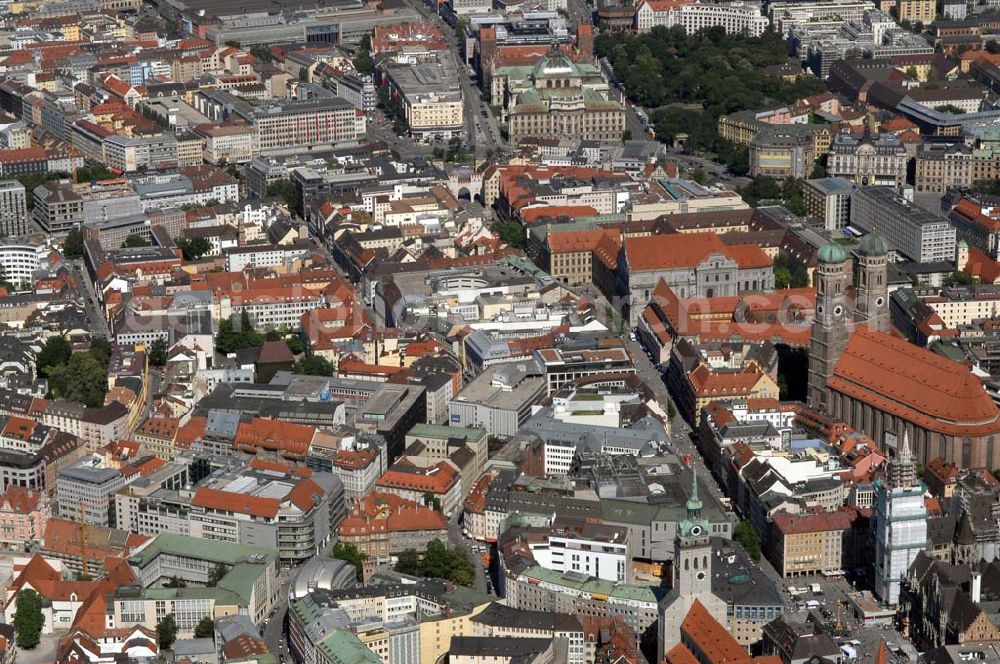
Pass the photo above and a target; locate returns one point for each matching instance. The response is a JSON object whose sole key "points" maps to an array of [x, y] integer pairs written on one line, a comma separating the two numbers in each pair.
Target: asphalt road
{"points": [[456, 539], [580, 12], [274, 631], [91, 304]]}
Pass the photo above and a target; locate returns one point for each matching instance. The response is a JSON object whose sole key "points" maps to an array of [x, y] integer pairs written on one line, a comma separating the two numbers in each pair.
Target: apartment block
{"points": [[291, 126]]}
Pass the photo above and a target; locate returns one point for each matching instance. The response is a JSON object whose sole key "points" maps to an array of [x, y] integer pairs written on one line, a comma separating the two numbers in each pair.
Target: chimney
{"points": [[977, 587]]}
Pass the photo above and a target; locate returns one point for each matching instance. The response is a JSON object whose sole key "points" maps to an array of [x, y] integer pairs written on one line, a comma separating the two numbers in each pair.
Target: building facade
{"points": [[559, 105], [868, 160]]}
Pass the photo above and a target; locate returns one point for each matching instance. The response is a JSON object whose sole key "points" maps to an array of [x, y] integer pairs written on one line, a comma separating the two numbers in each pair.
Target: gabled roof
{"points": [[915, 384], [687, 250]]}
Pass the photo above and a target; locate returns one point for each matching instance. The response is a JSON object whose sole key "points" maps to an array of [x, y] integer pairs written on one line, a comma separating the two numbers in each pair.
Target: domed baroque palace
{"points": [[882, 385]]}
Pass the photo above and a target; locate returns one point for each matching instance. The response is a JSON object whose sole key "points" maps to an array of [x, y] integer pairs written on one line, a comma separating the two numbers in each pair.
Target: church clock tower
{"points": [[693, 549]]}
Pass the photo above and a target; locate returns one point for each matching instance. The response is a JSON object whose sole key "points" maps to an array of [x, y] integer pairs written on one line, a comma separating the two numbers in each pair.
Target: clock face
{"points": [[701, 576], [696, 530]]}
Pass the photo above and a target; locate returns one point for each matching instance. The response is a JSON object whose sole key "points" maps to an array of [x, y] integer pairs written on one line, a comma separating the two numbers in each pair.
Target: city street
{"points": [[91, 304], [456, 539], [274, 633]]}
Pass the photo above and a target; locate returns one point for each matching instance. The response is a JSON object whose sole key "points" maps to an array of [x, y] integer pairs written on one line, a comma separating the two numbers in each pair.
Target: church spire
{"points": [[902, 469], [694, 504]]}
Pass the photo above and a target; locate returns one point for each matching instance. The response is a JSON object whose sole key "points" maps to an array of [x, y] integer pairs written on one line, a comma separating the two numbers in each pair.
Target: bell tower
{"points": [[693, 549], [830, 329], [873, 283]]}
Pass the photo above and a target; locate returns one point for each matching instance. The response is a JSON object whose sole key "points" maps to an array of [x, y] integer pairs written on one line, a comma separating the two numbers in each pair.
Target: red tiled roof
{"points": [[974, 213], [20, 499], [387, 512], [568, 242], [533, 214], [680, 250], [982, 267], [706, 382], [289, 438], [225, 501], [710, 639], [419, 479], [795, 524], [914, 384], [191, 431], [679, 654]]}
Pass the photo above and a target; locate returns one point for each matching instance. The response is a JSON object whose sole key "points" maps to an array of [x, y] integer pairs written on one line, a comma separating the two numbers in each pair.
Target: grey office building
{"points": [[13, 209], [911, 231]]}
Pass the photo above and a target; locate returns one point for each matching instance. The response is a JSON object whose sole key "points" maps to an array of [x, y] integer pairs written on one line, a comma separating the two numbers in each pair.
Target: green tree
{"points": [[194, 248], [84, 378], [789, 273], [158, 353], [101, 349], [28, 620], [992, 47], [949, 108], [286, 191], [748, 538], [166, 631], [436, 560], [991, 187], [796, 204], [135, 240], [314, 366], [217, 574], [55, 352], [959, 279], [205, 629], [363, 60], [94, 172], [262, 53], [782, 276], [73, 244], [350, 554], [295, 344], [460, 568], [235, 335], [408, 562], [511, 232], [175, 582], [762, 188]]}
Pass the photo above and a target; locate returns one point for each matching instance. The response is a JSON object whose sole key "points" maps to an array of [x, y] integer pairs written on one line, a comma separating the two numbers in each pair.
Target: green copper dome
{"points": [[873, 245], [831, 253]]}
